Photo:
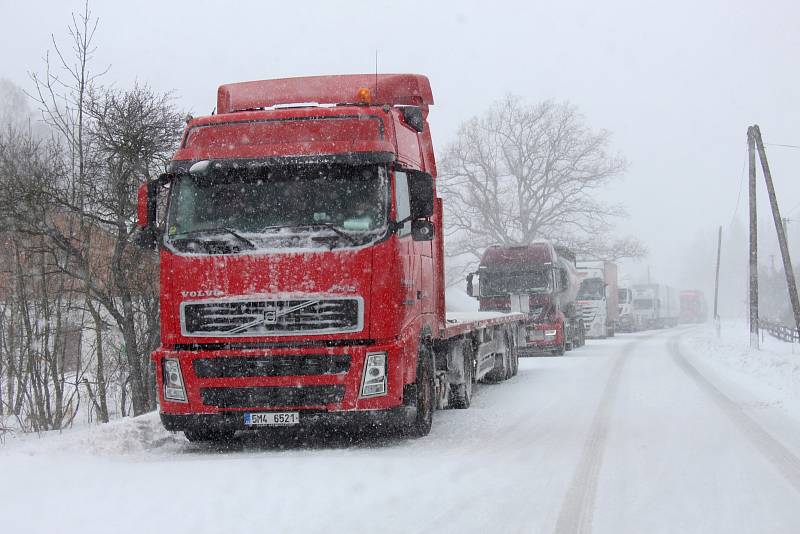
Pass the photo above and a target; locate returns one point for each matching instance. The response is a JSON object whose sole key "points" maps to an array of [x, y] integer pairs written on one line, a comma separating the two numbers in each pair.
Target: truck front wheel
{"points": [[425, 395]]}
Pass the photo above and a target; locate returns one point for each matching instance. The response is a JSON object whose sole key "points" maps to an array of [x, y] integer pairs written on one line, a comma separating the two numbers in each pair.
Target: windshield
{"points": [[592, 289], [623, 296], [505, 283], [284, 207]]}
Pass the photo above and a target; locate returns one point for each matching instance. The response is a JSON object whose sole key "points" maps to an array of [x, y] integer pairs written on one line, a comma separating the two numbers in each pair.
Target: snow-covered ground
{"points": [[671, 431]]}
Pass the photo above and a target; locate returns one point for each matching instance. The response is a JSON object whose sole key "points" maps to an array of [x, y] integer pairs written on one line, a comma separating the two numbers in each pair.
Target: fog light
{"points": [[374, 381], [173, 380]]}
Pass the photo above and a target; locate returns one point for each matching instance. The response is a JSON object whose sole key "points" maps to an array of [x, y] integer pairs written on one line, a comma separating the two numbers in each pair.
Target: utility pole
{"points": [[716, 282], [779, 226], [753, 293]]}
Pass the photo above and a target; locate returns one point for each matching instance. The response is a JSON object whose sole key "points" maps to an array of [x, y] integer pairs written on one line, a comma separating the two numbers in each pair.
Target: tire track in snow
{"points": [[784, 461], [577, 510]]}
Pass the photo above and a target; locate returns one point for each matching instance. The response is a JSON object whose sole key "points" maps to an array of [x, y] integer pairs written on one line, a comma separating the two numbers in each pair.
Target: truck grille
{"points": [[247, 318], [262, 397], [300, 365]]}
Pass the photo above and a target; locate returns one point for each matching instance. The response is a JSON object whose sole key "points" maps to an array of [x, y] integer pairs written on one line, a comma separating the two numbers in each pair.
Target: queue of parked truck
{"points": [[301, 250]]}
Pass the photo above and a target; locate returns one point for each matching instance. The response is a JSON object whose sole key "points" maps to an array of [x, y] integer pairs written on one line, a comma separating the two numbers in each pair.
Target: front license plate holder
{"points": [[271, 418]]}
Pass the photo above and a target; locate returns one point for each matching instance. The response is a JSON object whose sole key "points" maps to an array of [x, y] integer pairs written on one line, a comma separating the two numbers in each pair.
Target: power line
{"points": [[784, 146], [739, 194]]}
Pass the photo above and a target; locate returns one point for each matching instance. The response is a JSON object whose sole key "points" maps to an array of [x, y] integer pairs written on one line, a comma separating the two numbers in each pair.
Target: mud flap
{"points": [[442, 390]]}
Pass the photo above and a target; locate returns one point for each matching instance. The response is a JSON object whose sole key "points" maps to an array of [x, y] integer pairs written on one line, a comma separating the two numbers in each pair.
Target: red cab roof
{"points": [[391, 89]]}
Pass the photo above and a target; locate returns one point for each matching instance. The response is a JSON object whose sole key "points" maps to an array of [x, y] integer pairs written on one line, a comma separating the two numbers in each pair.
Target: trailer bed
{"points": [[458, 323]]}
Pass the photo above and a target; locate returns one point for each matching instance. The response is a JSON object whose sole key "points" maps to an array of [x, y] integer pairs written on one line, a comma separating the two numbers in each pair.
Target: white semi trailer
{"points": [[656, 305]]}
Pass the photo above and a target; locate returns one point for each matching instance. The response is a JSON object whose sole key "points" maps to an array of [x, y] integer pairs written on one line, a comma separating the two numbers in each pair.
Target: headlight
{"points": [[173, 380], [373, 383], [550, 333]]}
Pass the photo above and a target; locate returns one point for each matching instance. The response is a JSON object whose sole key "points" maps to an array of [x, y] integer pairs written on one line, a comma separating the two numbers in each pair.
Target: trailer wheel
{"points": [[426, 395], [461, 394], [501, 372], [514, 359]]}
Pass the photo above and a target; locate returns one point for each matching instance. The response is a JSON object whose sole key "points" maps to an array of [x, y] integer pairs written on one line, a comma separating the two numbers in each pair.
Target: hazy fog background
{"points": [[676, 82]]}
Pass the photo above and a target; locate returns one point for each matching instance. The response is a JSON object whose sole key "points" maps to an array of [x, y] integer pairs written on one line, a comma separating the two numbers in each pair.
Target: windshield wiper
{"points": [[220, 230], [335, 229], [338, 231]]}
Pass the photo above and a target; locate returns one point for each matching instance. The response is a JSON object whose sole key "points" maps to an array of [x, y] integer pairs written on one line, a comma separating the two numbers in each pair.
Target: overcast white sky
{"points": [[677, 82]]}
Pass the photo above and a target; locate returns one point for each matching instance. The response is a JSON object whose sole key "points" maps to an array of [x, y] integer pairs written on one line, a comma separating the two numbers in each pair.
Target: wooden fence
{"points": [[780, 331]]}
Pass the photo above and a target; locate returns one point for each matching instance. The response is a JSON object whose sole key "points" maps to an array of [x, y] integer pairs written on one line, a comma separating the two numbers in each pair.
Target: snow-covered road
{"points": [[642, 433]]}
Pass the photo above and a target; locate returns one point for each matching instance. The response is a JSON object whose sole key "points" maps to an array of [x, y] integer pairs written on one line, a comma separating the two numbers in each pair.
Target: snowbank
{"points": [[129, 436], [771, 373]]}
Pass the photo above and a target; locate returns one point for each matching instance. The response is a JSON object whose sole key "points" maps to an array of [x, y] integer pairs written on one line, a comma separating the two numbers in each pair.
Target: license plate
{"points": [[536, 335], [272, 418]]}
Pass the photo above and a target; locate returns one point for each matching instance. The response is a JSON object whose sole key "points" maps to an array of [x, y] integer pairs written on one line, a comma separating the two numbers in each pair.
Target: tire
{"points": [[208, 435], [515, 360], [461, 394], [425, 400], [511, 355], [581, 335], [498, 375]]}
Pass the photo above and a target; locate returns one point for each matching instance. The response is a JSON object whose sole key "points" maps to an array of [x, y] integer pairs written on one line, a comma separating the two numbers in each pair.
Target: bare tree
{"points": [[519, 173], [109, 142]]}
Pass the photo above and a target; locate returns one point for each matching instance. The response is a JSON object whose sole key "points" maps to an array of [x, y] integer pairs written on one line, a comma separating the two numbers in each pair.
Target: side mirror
{"points": [[421, 194], [147, 236], [413, 117], [421, 230], [469, 284]]}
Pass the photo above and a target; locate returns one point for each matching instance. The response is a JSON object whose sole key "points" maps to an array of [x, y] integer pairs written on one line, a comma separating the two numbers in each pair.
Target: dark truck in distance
{"points": [[537, 279]]}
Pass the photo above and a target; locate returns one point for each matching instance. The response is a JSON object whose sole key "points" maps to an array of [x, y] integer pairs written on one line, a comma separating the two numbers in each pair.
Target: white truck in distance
{"points": [[656, 305], [598, 297], [627, 320]]}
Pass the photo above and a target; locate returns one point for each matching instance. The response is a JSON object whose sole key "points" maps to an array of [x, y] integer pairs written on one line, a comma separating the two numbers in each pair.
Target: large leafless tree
{"points": [[523, 172], [78, 194]]}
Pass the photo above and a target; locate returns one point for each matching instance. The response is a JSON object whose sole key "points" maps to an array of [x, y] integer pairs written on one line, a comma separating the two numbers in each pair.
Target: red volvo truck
{"points": [[301, 253], [539, 279]]}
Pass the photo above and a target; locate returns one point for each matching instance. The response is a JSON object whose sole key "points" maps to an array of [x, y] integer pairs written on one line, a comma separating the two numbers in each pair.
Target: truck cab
{"points": [[597, 296], [536, 279], [627, 320], [300, 250]]}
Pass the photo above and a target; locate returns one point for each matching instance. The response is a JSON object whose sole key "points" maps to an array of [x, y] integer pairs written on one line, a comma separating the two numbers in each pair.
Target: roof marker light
{"points": [[363, 96]]}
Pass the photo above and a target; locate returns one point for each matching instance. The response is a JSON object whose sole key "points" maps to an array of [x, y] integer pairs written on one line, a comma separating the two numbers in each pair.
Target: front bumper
{"points": [[537, 340], [596, 328], [235, 420], [626, 323], [280, 379]]}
